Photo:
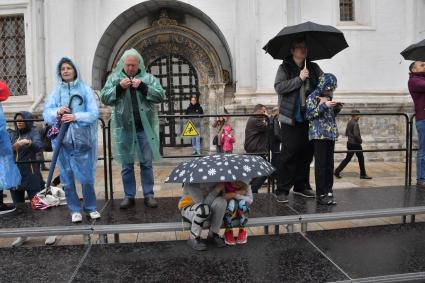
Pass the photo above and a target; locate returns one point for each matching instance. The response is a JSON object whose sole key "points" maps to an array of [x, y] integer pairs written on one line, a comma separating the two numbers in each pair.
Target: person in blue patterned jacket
{"points": [[323, 131]]}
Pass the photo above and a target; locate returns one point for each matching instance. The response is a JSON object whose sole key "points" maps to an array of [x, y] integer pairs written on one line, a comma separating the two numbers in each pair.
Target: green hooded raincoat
{"points": [[124, 142]]}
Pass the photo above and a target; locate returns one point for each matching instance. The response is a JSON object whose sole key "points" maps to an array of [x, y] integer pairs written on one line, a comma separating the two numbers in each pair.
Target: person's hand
{"points": [[67, 118], [330, 104], [62, 110], [304, 74], [25, 142], [125, 83], [135, 83]]}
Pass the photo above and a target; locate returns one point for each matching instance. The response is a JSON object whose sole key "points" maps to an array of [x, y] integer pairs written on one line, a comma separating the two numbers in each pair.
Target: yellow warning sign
{"points": [[190, 130]]}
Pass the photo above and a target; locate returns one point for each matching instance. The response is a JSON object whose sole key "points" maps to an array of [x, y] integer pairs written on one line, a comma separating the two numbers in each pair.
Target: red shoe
{"points": [[229, 239], [242, 236]]}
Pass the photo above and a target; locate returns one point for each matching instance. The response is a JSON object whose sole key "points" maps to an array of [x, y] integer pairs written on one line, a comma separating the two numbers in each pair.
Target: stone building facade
{"points": [[213, 49]]}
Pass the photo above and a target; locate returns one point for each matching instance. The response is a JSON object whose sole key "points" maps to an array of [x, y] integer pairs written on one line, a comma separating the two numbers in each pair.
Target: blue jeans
{"points": [[146, 171], [420, 157], [196, 144], [73, 201]]}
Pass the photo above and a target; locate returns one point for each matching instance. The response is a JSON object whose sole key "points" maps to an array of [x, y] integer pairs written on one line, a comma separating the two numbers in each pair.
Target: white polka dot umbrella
{"points": [[220, 168]]}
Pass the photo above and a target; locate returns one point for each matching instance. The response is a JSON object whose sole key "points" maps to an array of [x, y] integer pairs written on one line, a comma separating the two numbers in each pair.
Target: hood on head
{"points": [[133, 53], [326, 80], [26, 116], [227, 128], [58, 69]]}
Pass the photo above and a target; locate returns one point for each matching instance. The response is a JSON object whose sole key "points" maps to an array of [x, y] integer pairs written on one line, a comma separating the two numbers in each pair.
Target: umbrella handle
{"points": [[72, 98]]}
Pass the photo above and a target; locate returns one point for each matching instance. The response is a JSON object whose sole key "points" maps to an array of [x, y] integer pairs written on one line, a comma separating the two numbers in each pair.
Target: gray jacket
{"points": [[288, 84]]}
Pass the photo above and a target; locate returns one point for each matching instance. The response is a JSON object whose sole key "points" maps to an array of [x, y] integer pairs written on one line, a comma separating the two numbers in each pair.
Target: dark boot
{"points": [[127, 203]]}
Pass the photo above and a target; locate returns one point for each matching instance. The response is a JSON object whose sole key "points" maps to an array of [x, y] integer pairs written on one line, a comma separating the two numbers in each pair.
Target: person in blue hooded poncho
{"points": [[323, 131], [133, 93], [10, 177], [75, 161]]}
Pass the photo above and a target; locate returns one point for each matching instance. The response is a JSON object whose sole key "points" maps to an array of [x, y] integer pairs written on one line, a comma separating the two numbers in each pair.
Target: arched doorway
{"points": [[180, 82], [178, 35]]}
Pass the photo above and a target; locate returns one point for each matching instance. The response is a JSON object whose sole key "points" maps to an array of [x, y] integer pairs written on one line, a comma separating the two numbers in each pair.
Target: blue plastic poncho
{"points": [[73, 161], [124, 142], [9, 172]]}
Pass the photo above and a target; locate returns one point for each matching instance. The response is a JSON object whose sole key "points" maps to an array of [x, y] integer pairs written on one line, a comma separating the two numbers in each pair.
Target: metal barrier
{"points": [[104, 151], [403, 149]]}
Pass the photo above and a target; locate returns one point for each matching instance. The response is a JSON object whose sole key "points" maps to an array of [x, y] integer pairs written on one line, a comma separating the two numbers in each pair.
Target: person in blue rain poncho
{"points": [[75, 160], [133, 93], [10, 176]]}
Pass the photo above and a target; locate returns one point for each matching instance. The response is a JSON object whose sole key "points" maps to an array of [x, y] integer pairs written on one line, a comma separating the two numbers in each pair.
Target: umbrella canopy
{"points": [[220, 168], [322, 41], [415, 52]]}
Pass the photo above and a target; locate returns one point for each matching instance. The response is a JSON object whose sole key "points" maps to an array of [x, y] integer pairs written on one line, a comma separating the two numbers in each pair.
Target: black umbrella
{"points": [[62, 131], [323, 42], [415, 52], [220, 168]]}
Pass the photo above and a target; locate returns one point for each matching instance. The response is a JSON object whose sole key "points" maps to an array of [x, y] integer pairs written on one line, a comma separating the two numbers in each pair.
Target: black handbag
{"points": [[215, 140]]}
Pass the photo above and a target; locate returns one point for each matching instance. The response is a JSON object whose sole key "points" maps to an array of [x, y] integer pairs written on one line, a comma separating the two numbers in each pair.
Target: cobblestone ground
{"points": [[384, 174]]}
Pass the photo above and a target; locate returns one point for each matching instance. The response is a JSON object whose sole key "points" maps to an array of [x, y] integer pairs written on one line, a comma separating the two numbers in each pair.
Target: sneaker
{"points": [[324, 200], [76, 217], [282, 197], [94, 215], [216, 240], [19, 241], [151, 202], [51, 240], [127, 203], [6, 208], [332, 198], [196, 244], [242, 236], [338, 175], [307, 193], [365, 177], [229, 239]]}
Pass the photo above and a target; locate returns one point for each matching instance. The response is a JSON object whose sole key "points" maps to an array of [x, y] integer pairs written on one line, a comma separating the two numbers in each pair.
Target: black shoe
{"points": [[282, 197], [338, 175], [216, 240], [332, 199], [308, 193], [127, 203], [6, 208], [420, 184], [365, 177], [324, 200], [151, 202], [196, 244]]}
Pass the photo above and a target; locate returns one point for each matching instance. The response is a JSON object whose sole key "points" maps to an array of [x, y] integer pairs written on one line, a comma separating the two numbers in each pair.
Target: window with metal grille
{"points": [[12, 53], [346, 10]]}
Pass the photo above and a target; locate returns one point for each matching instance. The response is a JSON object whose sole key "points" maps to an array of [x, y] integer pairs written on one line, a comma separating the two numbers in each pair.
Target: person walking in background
{"points": [[296, 78], [257, 140], [195, 108], [354, 142], [10, 177], [133, 94], [218, 128], [323, 131], [227, 138], [417, 91], [77, 159]]}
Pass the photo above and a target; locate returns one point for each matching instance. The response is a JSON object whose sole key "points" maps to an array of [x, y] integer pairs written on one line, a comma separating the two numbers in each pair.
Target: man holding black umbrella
{"points": [[295, 79]]}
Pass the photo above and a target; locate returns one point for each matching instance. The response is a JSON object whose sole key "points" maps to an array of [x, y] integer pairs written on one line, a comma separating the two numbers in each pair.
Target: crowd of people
{"points": [[302, 126]]}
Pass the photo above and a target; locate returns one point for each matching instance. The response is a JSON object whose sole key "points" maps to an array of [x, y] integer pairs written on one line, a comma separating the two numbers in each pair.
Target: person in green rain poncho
{"points": [[133, 93]]}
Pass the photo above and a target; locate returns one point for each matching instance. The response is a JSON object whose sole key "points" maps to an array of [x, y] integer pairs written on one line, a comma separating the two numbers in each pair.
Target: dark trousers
{"points": [[360, 157], [295, 158], [324, 166], [18, 196], [1, 197]]}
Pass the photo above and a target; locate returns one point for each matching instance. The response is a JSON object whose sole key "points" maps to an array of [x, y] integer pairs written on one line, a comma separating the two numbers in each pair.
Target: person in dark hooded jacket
{"points": [[195, 108], [26, 143]]}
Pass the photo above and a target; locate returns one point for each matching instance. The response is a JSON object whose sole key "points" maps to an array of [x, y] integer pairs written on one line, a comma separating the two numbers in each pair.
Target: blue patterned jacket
{"points": [[322, 123]]}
